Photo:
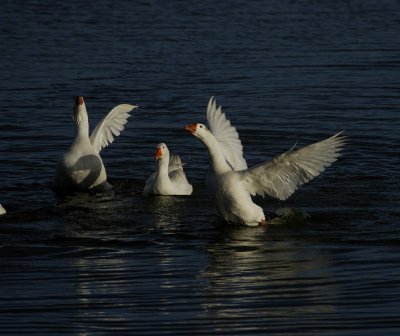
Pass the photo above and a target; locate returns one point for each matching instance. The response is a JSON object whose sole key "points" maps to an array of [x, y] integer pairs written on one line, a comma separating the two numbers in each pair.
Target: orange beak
{"points": [[191, 128], [158, 153], [79, 100]]}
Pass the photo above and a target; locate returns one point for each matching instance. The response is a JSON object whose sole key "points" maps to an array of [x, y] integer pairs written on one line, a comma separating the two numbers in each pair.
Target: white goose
{"points": [[2, 210], [232, 184], [169, 178], [81, 166]]}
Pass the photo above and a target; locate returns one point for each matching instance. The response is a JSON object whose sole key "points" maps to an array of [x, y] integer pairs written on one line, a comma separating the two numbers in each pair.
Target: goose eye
{"points": [[201, 126]]}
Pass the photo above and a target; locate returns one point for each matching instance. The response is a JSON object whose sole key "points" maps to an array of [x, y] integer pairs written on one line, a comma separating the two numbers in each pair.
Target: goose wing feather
{"points": [[175, 170], [282, 176], [227, 136], [110, 126]]}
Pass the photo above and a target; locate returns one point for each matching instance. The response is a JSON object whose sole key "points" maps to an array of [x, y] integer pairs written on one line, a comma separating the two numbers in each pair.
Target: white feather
{"points": [[111, 125], [227, 136], [282, 176]]}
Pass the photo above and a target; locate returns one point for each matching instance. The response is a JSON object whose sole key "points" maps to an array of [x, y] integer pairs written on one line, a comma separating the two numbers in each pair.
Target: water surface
{"points": [[119, 263]]}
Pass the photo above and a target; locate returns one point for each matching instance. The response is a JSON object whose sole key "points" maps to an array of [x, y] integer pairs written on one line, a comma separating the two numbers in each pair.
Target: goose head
{"points": [[198, 130], [162, 152]]}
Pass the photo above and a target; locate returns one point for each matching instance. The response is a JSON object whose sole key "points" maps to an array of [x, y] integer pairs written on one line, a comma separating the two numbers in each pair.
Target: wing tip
{"points": [[212, 104], [340, 135], [129, 107], [340, 139]]}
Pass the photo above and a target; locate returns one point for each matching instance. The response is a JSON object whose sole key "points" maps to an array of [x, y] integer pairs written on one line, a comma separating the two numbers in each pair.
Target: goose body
{"points": [[169, 177], [81, 166], [232, 184]]}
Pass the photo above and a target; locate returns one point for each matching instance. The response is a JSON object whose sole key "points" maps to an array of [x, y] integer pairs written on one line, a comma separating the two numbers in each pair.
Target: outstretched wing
{"points": [[227, 136], [111, 125], [281, 177]]}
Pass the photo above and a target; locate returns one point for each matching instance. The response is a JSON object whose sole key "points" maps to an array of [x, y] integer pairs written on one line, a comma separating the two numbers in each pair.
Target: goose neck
{"points": [[218, 161]]}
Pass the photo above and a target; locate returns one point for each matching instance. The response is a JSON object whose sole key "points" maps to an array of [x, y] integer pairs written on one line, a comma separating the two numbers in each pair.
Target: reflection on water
{"points": [[258, 279], [101, 282], [167, 210]]}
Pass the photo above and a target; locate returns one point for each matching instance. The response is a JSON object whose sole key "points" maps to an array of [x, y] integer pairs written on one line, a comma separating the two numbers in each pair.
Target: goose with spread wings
{"points": [[232, 183], [81, 166]]}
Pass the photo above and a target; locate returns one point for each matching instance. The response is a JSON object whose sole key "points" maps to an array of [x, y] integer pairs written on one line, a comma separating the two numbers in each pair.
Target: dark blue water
{"points": [[119, 263]]}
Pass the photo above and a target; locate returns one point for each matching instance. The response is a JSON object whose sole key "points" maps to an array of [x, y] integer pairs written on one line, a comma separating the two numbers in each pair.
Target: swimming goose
{"points": [[81, 166], [232, 183], [169, 178], [2, 210]]}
